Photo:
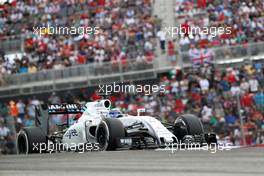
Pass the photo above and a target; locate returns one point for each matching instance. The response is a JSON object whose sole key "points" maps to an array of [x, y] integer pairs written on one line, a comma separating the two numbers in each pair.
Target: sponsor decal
{"points": [[71, 133], [67, 106]]}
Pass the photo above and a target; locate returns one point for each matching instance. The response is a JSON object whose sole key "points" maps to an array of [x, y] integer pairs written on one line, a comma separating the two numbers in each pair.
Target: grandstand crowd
{"points": [[208, 92], [126, 31], [246, 19]]}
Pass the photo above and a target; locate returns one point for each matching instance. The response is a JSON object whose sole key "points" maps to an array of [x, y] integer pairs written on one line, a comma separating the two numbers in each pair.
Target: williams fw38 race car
{"points": [[107, 129]]}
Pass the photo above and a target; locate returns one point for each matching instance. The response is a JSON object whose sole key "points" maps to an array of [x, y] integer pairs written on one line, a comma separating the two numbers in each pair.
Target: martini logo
{"points": [[59, 107]]}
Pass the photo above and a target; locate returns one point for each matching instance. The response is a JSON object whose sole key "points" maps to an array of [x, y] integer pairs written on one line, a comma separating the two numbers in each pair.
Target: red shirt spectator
{"points": [[66, 51], [29, 43], [81, 59], [95, 97], [124, 60], [185, 28], [83, 43], [13, 3], [113, 99], [171, 48], [231, 78], [201, 4], [249, 126], [42, 46], [149, 56], [195, 96], [101, 2], [179, 106], [203, 43], [246, 100], [13, 109], [221, 17]]}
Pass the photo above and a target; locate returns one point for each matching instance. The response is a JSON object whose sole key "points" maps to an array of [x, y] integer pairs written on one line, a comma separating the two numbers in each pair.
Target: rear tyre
{"points": [[30, 139], [188, 124], [108, 132]]}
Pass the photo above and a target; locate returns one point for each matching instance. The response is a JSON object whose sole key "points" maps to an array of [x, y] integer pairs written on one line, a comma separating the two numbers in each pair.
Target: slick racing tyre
{"points": [[108, 132], [187, 126], [30, 139]]}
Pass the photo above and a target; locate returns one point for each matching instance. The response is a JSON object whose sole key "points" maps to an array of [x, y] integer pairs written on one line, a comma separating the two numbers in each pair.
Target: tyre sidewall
{"points": [[23, 134], [104, 125]]}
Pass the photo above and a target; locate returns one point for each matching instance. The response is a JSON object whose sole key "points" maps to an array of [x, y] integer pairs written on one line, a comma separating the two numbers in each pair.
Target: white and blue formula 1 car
{"points": [[108, 129]]}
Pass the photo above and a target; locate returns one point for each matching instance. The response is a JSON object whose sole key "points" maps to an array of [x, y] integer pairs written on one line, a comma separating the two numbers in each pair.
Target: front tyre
{"points": [[108, 133], [187, 127]]}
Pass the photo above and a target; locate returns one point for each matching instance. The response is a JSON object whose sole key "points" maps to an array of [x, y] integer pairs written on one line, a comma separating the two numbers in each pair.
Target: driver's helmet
{"points": [[115, 113]]}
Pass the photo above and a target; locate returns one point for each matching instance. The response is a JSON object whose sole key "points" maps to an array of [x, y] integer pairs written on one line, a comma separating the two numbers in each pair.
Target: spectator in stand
{"points": [[29, 121], [6, 143], [244, 86], [13, 109], [237, 137], [250, 129], [235, 89], [204, 84], [172, 52], [246, 100], [185, 28], [30, 109], [253, 84], [179, 105], [201, 4], [230, 119], [207, 114], [21, 109], [162, 39], [54, 99], [32, 68], [259, 100], [2, 80], [257, 117]]}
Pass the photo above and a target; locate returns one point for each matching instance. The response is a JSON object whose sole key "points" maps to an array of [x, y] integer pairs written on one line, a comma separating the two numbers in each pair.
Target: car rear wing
{"points": [[65, 108]]}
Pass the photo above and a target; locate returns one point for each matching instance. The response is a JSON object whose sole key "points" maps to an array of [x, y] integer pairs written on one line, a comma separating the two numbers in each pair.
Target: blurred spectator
{"points": [[206, 114], [162, 39], [21, 109], [54, 99], [253, 85], [13, 109], [6, 143], [259, 100], [172, 52], [230, 119], [204, 84]]}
